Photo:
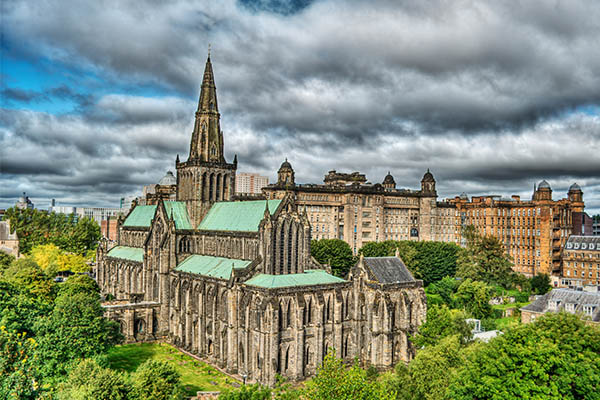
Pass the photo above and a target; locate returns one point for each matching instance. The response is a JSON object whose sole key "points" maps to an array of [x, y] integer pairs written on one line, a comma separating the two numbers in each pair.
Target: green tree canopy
{"points": [[18, 366], [25, 274], [474, 297], [156, 380], [89, 381], [540, 284], [442, 322], [5, 260], [484, 260], [36, 227], [336, 382], [75, 329], [334, 252], [556, 357]]}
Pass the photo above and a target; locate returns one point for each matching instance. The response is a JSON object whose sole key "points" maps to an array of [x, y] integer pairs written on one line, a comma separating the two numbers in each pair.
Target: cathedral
{"points": [[232, 281]]}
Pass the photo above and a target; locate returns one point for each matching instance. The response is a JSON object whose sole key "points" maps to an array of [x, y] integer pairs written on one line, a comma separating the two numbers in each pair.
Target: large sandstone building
{"points": [[348, 207], [234, 282]]}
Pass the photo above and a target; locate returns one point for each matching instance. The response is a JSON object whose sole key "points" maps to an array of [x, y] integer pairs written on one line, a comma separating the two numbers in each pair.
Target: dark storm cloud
{"points": [[487, 94], [63, 92]]}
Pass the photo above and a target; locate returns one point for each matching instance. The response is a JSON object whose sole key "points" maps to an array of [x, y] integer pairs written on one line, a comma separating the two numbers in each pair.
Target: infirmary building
{"points": [[234, 282]]}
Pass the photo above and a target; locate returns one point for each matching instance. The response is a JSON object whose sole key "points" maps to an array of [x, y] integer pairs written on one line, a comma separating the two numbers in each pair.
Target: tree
{"points": [[46, 256], [484, 260], [79, 284], [445, 288], [75, 329], [474, 297], [19, 378], [25, 274], [89, 381], [378, 249], [334, 381], [428, 374], [334, 252], [540, 284], [156, 380], [5, 261], [556, 357], [19, 310], [442, 322]]}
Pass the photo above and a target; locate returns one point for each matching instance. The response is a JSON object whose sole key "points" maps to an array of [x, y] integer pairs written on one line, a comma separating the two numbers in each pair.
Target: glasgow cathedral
{"points": [[232, 281]]}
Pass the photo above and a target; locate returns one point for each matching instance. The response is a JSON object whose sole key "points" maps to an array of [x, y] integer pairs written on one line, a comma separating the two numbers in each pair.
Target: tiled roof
{"points": [[242, 216], [388, 269], [180, 214], [583, 243], [216, 267], [308, 278], [557, 299], [127, 253], [140, 216]]}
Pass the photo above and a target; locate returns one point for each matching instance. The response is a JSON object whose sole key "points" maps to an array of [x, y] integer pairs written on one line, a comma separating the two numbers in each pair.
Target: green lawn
{"points": [[195, 375]]}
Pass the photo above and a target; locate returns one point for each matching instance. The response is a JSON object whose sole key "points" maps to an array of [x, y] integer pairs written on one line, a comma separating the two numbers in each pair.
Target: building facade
{"points": [[347, 207], [585, 303], [581, 261], [234, 283], [247, 182]]}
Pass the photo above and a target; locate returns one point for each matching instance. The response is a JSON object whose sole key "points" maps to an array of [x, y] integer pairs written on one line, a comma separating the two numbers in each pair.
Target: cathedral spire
{"points": [[207, 138]]}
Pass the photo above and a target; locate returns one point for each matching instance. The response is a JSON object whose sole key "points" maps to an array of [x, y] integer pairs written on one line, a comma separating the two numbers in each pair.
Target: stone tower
{"points": [[205, 177]]}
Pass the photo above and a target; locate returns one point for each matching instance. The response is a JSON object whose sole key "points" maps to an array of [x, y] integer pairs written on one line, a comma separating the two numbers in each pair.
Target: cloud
{"points": [[487, 94]]}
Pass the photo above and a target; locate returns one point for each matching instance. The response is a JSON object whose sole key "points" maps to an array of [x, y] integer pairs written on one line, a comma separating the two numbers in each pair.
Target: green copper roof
{"points": [[242, 216], [216, 267], [308, 278], [127, 253], [140, 216], [180, 214]]}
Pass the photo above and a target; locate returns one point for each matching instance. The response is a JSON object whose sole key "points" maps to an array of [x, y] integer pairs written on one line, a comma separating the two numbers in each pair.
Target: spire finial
{"points": [[209, 50]]}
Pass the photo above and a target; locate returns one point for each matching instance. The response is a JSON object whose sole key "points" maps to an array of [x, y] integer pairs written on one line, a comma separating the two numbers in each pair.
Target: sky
{"points": [[98, 97]]}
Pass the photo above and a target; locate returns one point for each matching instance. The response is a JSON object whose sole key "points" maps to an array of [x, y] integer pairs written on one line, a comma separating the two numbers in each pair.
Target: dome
{"points": [[463, 196], [168, 179], [286, 165], [574, 187], [428, 177], [544, 185], [389, 179]]}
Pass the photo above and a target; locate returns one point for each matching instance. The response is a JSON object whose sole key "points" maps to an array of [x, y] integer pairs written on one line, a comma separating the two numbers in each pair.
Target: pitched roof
{"points": [[216, 267], [388, 269], [557, 299], [127, 253], [140, 216], [308, 278], [180, 214], [244, 216]]}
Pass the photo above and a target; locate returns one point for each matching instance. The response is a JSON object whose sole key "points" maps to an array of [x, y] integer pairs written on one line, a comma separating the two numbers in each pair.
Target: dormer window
{"points": [[570, 307], [576, 246], [589, 309], [553, 305]]}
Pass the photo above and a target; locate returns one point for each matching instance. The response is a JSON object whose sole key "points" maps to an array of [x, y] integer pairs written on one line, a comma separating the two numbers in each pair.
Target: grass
{"points": [[509, 305], [195, 375], [505, 322]]}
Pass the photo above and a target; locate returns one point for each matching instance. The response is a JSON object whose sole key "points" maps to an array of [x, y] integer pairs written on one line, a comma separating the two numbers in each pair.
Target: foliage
{"points": [[484, 260], [36, 227], [556, 357], [156, 380], [428, 375], [334, 381], [334, 252], [442, 322], [75, 329], [430, 261], [445, 288], [247, 392], [79, 284], [52, 259], [474, 297], [25, 274], [18, 374], [19, 309], [89, 381], [540, 284], [5, 260]]}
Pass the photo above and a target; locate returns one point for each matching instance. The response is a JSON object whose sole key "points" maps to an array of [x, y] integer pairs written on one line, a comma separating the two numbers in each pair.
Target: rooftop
{"points": [[308, 278], [241, 216], [215, 267], [556, 299], [127, 253], [388, 269]]}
